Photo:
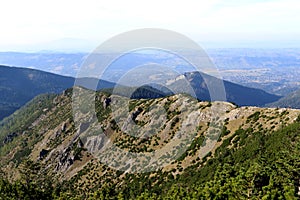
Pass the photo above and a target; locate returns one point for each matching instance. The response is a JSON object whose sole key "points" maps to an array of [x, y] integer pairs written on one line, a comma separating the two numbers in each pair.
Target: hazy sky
{"points": [[55, 24]]}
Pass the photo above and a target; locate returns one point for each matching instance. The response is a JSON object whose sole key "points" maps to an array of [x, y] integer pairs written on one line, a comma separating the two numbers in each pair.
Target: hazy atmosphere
{"points": [[82, 25]]}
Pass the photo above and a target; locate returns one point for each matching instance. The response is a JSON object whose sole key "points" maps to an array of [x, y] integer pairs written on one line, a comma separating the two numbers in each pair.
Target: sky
{"points": [[35, 25]]}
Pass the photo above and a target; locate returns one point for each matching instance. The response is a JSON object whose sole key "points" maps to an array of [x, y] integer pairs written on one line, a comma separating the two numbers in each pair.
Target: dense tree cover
{"points": [[20, 85], [249, 165]]}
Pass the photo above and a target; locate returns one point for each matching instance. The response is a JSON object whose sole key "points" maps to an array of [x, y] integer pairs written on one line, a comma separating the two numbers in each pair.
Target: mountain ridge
{"points": [[238, 94], [51, 144]]}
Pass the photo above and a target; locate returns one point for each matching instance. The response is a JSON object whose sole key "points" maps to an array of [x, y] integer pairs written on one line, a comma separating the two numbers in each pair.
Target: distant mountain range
{"points": [[275, 71], [19, 85]]}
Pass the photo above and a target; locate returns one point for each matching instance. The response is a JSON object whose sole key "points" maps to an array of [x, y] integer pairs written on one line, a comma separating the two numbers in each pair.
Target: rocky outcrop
{"points": [[66, 158], [136, 113]]}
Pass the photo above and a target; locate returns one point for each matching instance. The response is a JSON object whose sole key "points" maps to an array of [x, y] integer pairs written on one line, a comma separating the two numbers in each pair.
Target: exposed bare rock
{"points": [[67, 156], [63, 127], [136, 113]]}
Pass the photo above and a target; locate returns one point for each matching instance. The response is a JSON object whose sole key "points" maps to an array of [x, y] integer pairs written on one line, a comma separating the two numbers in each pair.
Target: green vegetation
{"points": [[250, 161], [254, 117], [22, 120], [265, 166]]}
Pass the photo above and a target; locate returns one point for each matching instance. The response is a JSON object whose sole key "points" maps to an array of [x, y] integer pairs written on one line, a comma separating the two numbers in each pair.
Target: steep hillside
{"points": [[254, 151], [290, 101], [19, 85]]}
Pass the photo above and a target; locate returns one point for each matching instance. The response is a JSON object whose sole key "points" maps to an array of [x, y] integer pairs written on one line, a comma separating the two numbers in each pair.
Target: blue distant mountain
{"points": [[20, 85]]}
